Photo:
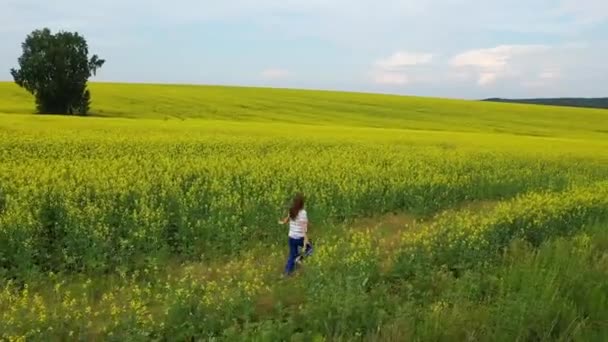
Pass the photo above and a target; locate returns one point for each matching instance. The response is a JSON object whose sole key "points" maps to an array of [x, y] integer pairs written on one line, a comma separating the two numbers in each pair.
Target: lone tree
{"points": [[55, 69]]}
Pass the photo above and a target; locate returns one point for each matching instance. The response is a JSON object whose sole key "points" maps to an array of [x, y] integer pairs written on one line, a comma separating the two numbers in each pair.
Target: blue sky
{"points": [[446, 48]]}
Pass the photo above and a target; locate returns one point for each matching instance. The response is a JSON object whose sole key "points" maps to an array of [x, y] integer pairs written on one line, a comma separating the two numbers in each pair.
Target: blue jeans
{"points": [[294, 251]]}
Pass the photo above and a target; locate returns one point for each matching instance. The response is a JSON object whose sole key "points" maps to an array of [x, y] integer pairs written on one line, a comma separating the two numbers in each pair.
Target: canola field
{"points": [[155, 219]]}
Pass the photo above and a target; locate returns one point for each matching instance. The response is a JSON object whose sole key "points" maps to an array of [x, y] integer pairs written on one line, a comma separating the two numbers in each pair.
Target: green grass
{"points": [[326, 108], [433, 219], [556, 292]]}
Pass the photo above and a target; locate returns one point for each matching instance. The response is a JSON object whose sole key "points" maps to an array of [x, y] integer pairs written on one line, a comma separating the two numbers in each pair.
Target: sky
{"points": [[443, 48]]}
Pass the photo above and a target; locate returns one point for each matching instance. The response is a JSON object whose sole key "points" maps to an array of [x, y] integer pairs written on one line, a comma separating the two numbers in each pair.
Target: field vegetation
{"points": [[432, 219]]}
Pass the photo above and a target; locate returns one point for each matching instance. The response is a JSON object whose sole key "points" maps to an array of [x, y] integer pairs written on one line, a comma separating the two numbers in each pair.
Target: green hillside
{"points": [[432, 219], [325, 108]]}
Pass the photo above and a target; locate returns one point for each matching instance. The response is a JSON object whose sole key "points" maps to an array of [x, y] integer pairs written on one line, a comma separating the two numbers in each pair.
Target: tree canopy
{"points": [[600, 102], [55, 68]]}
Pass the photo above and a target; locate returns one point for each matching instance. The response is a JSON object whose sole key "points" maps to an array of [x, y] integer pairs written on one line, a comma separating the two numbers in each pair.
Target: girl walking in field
{"points": [[298, 232]]}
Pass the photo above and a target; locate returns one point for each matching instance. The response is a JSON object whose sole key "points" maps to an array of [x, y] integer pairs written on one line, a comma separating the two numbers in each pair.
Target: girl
{"points": [[298, 229]]}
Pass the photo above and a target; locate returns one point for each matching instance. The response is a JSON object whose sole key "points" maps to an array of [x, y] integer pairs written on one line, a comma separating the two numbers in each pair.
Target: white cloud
{"points": [[403, 59], [390, 78], [490, 65], [495, 68], [544, 79], [275, 74], [495, 58], [487, 78], [398, 67]]}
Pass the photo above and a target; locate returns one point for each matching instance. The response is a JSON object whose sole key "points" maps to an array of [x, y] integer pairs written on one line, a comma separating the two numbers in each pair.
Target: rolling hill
{"points": [[325, 108], [432, 219]]}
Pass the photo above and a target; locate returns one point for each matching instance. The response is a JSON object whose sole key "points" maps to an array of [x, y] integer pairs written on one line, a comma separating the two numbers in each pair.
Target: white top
{"points": [[299, 226]]}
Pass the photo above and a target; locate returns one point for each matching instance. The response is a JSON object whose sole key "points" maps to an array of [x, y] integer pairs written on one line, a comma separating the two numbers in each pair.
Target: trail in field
{"points": [[386, 229], [268, 262]]}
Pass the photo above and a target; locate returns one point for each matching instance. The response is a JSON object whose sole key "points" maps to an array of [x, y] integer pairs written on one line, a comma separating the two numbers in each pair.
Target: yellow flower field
{"points": [[156, 218]]}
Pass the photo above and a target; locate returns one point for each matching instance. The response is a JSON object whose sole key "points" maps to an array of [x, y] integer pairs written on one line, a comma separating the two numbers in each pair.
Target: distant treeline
{"points": [[568, 102]]}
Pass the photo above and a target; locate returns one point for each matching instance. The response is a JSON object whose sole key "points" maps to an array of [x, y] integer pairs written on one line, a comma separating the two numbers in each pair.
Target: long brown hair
{"points": [[296, 206]]}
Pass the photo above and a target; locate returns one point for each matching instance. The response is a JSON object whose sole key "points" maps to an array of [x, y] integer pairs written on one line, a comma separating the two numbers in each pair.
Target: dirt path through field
{"points": [[387, 229]]}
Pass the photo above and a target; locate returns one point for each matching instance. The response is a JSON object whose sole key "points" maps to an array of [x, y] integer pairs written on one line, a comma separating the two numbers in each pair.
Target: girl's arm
{"points": [[306, 232]]}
